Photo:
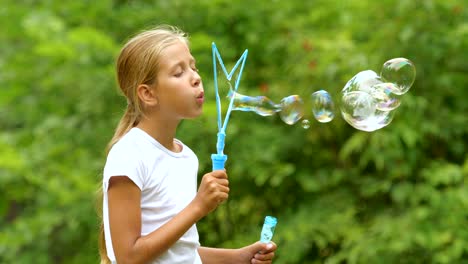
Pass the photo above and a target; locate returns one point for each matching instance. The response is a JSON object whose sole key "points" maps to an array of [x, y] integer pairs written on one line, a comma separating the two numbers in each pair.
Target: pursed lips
{"points": [[201, 97]]}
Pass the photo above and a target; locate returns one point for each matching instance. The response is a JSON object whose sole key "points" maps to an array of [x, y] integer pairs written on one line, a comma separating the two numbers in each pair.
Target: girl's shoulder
{"points": [[133, 144], [126, 142]]}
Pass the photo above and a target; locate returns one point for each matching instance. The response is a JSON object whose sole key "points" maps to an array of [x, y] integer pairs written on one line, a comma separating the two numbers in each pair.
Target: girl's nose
{"points": [[196, 80]]}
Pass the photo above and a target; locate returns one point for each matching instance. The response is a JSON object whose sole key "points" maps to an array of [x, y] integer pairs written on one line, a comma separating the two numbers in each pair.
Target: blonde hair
{"points": [[138, 63]]}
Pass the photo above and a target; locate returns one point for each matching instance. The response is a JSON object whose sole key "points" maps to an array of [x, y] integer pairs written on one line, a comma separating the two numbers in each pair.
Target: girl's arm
{"points": [[125, 218], [257, 253]]}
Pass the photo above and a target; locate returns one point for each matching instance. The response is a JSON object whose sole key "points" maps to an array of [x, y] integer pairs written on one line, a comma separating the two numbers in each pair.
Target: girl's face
{"points": [[179, 87]]}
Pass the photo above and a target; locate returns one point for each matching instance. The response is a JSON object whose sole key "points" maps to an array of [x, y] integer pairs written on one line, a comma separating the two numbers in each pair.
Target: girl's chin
{"points": [[195, 114]]}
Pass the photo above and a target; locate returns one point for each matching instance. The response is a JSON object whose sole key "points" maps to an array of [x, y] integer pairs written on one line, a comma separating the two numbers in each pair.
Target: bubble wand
{"points": [[220, 158]]}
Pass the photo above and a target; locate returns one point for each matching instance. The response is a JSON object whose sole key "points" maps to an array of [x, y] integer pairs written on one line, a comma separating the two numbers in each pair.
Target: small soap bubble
{"points": [[292, 109], [305, 124], [400, 71], [323, 107]]}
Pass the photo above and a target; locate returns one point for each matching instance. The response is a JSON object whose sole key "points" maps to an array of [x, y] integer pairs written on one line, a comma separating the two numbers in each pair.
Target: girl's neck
{"points": [[163, 132]]}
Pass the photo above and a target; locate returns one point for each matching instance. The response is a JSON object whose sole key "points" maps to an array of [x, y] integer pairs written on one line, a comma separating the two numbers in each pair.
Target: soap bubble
{"points": [[359, 110], [374, 122], [363, 81], [357, 106], [305, 123], [367, 102], [292, 109], [384, 93], [261, 105], [322, 106], [401, 72], [385, 96]]}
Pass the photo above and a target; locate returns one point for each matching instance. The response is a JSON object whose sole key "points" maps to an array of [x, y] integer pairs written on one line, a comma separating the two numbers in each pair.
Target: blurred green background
{"points": [[396, 195]]}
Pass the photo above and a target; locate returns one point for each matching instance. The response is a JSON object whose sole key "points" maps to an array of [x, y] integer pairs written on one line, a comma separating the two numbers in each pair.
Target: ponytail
{"points": [[128, 121], [102, 241]]}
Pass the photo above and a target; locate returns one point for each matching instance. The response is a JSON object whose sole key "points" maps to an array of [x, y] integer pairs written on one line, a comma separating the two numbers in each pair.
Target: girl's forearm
{"points": [[153, 245], [218, 255]]}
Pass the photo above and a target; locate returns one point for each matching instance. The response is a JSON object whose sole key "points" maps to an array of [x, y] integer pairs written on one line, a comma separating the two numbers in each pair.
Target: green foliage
{"points": [[397, 195]]}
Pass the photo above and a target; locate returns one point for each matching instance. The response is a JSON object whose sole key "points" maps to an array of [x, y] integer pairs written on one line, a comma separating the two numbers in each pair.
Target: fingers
{"points": [[213, 184], [256, 261], [219, 174], [263, 248], [265, 254], [213, 190], [222, 198], [260, 258], [215, 178], [270, 247], [223, 185], [218, 190]]}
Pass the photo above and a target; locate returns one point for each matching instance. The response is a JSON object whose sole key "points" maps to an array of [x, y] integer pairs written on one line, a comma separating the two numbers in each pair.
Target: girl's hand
{"points": [[258, 253], [213, 190]]}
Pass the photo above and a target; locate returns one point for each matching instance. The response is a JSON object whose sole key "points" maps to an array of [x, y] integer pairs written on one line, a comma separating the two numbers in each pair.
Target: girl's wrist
{"points": [[236, 256], [239, 255], [197, 210]]}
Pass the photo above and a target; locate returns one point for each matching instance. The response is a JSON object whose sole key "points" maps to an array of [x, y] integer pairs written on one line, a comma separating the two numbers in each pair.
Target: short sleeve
{"points": [[122, 160]]}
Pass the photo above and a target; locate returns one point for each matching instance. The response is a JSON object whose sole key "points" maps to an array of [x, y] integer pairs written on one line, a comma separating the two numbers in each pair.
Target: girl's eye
{"points": [[178, 74]]}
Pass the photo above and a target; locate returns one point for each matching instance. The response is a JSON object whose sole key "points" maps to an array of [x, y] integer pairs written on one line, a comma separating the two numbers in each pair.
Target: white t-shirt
{"points": [[168, 183]]}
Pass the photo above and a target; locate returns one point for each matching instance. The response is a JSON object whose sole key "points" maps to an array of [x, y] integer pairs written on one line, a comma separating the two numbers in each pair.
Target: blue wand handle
{"points": [[219, 159]]}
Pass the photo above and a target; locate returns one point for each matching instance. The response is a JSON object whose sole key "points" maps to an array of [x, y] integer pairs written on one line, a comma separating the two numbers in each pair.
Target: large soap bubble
{"points": [[366, 102], [359, 109], [401, 72]]}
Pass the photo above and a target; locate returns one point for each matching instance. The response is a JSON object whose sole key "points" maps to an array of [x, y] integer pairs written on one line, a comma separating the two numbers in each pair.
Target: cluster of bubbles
{"points": [[367, 100]]}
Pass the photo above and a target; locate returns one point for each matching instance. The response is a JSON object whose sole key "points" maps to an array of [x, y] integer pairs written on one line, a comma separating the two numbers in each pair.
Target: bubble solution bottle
{"points": [[268, 229]]}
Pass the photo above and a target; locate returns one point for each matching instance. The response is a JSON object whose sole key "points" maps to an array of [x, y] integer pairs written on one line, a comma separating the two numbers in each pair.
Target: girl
{"points": [[150, 202]]}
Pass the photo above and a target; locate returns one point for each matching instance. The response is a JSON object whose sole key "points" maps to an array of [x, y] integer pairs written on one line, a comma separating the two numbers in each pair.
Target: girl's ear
{"points": [[147, 95]]}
